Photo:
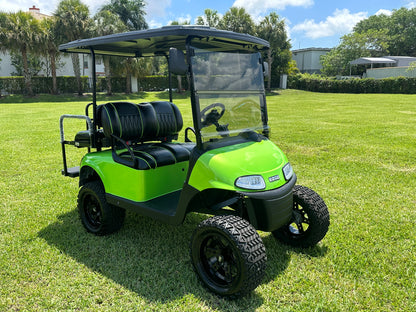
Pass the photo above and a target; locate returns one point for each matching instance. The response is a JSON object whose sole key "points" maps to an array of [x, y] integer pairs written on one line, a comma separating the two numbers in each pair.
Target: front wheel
{"points": [[228, 255], [310, 219]]}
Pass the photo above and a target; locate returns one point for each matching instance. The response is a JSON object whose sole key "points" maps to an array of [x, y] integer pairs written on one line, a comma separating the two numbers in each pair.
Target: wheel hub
{"points": [[93, 212], [219, 261]]}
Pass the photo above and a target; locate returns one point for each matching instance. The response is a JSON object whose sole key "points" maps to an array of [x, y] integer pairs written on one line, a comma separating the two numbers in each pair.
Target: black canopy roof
{"points": [[152, 42]]}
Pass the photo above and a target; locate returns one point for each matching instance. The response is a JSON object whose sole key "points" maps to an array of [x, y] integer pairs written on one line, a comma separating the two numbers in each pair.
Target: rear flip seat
{"points": [[130, 125]]}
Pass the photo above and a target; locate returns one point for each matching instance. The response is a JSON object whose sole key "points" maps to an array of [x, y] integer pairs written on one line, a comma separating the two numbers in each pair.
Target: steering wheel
{"points": [[213, 116]]}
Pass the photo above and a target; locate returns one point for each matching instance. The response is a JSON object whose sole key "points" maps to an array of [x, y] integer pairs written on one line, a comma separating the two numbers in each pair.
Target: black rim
{"points": [[300, 222], [92, 211], [219, 260]]}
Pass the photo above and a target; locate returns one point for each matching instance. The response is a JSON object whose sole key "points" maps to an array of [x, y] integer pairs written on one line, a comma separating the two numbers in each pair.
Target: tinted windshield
{"points": [[230, 91]]}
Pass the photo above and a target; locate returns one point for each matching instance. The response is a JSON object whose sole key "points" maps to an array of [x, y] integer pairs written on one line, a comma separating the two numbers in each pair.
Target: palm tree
{"points": [[237, 20], [272, 29], [50, 42], [210, 18], [128, 67], [130, 12], [3, 17], [107, 23], [72, 23], [20, 32]]}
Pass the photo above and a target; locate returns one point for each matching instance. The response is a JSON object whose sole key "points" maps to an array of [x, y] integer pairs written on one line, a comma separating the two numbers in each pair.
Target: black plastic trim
{"points": [[170, 208], [269, 210], [163, 208]]}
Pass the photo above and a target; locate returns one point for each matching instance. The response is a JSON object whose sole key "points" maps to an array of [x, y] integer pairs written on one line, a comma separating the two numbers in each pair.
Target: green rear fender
{"points": [[219, 168], [91, 167]]}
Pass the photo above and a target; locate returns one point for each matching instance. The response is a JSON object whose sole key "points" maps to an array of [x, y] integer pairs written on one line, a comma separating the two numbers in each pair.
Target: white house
{"points": [[386, 66], [66, 68], [309, 60]]}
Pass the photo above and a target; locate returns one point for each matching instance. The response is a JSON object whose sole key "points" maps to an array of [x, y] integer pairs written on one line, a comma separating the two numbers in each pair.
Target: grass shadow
{"points": [[59, 98], [147, 257], [273, 93], [152, 259], [164, 95], [279, 254]]}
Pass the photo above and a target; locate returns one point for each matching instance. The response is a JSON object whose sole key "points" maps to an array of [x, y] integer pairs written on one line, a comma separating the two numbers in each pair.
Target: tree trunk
{"points": [[77, 71], [108, 74], [53, 71], [26, 73], [179, 77], [128, 76]]}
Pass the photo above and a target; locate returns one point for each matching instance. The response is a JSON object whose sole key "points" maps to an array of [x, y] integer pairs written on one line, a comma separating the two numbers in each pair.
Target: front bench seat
{"points": [[130, 125]]}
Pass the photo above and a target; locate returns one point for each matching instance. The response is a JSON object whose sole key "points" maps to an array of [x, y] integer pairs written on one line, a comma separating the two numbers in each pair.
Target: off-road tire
{"points": [[97, 216], [310, 221], [228, 255]]}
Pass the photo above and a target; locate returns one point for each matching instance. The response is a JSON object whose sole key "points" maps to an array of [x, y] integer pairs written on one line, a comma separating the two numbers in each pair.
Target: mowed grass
{"points": [[357, 151]]}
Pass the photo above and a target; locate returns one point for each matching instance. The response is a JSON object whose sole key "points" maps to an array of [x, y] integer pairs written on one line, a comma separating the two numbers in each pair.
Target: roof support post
{"points": [[170, 80], [94, 98], [194, 97]]}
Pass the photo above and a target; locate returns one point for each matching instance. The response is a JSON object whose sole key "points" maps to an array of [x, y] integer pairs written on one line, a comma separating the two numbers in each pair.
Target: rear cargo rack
{"points": [[72, 172]]}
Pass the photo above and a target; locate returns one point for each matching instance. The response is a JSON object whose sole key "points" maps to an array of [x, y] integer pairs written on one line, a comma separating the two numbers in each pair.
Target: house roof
{"points": [[401, 57], [372, 60], [312, 49]]}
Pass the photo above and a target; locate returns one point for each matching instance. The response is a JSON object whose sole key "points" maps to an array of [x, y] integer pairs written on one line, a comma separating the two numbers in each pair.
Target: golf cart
{"points": [[226, 167]]}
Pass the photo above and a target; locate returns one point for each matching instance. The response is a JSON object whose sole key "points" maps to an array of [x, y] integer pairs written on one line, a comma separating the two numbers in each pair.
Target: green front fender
{"points": [[219, 168]]}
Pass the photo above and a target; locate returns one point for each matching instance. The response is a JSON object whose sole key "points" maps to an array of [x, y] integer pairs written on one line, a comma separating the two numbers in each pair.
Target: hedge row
{"points": [[159, 83], [366, 85], [66, 84]]}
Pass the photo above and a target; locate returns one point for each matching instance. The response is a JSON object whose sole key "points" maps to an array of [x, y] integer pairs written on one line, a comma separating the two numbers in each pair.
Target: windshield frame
{"points": [[196, 103]]}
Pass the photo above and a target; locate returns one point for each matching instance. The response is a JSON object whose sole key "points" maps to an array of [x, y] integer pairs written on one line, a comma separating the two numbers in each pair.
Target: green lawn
{"points": [[357, 151]]}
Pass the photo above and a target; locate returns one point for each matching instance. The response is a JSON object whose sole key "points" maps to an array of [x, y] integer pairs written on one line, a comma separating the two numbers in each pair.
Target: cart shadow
{"points": [[279, 255], [151, 258]]}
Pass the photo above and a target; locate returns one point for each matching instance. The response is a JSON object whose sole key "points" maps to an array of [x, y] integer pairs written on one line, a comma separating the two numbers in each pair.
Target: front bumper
{"points": [[270, 210]]}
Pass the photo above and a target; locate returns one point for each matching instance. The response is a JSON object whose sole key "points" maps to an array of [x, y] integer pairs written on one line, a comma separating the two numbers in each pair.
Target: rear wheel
{"points": [[97, 216], [310, 219], [228, 255]]}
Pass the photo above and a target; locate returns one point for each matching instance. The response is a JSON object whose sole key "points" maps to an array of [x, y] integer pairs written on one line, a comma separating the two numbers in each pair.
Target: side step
{"points": [[71, 172], [163, 208]]}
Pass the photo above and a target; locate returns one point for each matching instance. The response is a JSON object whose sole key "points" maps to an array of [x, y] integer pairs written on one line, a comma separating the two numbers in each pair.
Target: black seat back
{"points": [[154, 121], [169, 118]]}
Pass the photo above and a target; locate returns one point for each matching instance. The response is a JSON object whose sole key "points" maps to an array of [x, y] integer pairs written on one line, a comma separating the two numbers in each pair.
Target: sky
{"points": [[310, 23]]}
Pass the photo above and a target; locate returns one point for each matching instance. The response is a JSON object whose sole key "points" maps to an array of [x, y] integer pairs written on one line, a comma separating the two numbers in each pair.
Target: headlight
{"points": [[287, 171], [253, 182]]}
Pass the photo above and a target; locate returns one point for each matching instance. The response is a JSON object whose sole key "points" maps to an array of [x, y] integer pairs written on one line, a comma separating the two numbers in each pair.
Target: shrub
{"points": [[67, 84], [318, 83]]}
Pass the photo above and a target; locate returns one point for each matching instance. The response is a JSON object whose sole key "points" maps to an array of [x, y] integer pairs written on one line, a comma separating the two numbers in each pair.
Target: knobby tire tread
{"points": [[248, 242]]}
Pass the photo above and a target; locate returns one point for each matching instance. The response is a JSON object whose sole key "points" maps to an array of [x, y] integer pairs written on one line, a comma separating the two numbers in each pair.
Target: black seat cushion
{"points": [[180, 151], [150, 157], [154, 155]]}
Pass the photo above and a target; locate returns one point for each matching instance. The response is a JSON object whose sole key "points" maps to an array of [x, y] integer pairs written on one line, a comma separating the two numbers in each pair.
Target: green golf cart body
{"points": [[231, 170]]}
